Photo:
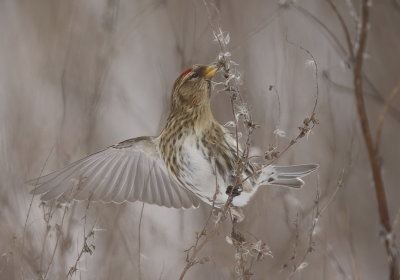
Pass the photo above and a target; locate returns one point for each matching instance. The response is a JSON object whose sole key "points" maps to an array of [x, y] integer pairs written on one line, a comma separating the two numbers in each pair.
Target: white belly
{"points": [[199, 175]]}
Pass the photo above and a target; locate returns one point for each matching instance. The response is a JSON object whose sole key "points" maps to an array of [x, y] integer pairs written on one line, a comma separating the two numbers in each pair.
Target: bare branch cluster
{"points": [[357, 49], [86, 247]]}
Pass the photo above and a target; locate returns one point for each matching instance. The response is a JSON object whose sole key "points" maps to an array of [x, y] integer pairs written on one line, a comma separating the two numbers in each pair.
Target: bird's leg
{"points": [[233, 191], [237, 216]]}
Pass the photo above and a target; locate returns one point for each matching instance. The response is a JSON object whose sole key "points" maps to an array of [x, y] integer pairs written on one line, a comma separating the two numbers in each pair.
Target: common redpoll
{"points": [[193, 158]]}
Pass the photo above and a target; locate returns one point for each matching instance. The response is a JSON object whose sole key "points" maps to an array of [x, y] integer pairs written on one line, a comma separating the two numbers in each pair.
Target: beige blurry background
{"points": [[77, 76]]}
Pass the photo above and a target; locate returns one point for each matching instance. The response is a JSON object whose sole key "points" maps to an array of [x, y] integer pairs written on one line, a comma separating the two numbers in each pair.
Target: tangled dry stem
{"points": [[238, 241], [86, 247], [317, 212], [246, 252]]}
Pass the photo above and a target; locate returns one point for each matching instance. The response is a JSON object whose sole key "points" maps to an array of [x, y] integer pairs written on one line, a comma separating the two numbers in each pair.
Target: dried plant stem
{"points": [[311, 121], [191, 253], [373, 91], [195, 249], [308, 123], [85, 247], [382, 116], [59, 233], [139, 242], [30, 207], [317, 213], [357, 58], [46, 217], [344, 27]]}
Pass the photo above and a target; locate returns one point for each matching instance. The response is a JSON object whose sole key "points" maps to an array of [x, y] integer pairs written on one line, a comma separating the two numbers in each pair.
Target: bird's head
{"points": [[193, 87]]}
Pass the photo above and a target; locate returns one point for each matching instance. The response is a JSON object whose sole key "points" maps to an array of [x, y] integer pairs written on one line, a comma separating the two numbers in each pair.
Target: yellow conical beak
{"points": [[210, 71]]}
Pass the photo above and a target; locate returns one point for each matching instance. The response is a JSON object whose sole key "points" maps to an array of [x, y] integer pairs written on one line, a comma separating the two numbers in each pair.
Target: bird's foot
{"points": [[230, 190]]}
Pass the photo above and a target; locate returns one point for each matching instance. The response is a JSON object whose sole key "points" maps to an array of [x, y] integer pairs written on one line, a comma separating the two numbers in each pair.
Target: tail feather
{"points": [[288, 176], [296, 170]]}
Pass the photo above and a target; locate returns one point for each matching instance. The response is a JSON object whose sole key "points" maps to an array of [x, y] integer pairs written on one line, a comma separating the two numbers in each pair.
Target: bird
{"points": [[191, 160]]}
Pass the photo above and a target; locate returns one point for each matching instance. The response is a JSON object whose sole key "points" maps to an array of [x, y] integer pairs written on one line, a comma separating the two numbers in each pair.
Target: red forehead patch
{"points": [[184, 73]]}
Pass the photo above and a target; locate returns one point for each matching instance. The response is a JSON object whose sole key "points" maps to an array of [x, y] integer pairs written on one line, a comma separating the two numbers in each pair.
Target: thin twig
{"points": [[32, 197], [192, 251], [30, 206], [59, 233], [345, 29], [139, 242], [373, 91], [317, 213], [308, 122], [382, 116], [46, 217], [86, 248]]}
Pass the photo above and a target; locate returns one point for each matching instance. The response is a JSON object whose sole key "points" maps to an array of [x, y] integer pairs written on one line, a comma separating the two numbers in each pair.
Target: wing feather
{"points": [[129, 171], [42, 183], [102, 192], [166, 193], [86, 184], [99, 183], [122, 195], [137, 179], [62, 182], [156, 192], [117, 181]]}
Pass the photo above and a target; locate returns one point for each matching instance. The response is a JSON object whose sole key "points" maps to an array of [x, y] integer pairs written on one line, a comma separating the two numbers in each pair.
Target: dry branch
{"points": [[86, 247], [357, 58], [316, 214]]}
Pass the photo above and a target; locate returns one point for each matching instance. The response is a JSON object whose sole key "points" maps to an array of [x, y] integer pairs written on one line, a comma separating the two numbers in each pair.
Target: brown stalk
{"points": [[357, 59]]}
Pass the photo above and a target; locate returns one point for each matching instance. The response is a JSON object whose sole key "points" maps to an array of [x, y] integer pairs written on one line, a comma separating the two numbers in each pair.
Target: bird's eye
{"points": [[194, 75]]}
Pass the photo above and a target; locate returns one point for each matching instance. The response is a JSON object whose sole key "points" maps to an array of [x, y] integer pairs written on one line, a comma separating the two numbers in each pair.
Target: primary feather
{"points": [[129, 171]]}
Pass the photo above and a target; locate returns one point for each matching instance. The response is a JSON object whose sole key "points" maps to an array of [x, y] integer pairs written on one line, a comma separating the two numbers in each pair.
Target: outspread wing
{"points": [[129, 171]]}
